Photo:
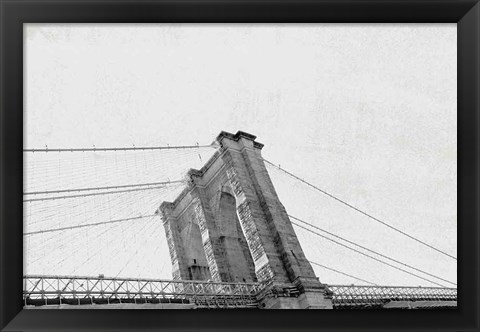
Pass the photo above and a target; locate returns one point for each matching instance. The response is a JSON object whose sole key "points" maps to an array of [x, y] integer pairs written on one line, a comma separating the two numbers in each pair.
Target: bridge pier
{"points": [[288, 297], [231, 222]]}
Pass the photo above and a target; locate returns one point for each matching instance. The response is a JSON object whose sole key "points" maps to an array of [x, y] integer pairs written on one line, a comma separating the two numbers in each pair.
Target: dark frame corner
{"points": [[466, 13]]}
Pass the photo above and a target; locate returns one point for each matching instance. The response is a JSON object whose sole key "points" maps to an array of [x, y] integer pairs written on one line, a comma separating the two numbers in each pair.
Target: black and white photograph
{"points": [[240, 166]]}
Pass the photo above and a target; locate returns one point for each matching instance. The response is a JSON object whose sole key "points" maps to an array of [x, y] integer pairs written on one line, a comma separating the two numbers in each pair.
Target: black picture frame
{"points": [[466, 13]]}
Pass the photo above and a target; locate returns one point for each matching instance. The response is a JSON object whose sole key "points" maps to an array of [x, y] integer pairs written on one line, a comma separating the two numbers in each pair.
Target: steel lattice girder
{"points": [[210, 294], [378, 295], [51, 287]]}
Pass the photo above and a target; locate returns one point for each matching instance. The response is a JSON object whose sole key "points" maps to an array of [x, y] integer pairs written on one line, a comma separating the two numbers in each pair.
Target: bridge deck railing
{"points": [[348, 295], [39, 289], [44, 288]]}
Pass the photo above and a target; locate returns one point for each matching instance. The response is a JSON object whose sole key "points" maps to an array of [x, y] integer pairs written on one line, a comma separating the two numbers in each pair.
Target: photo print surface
{"points": [[265, 166]]}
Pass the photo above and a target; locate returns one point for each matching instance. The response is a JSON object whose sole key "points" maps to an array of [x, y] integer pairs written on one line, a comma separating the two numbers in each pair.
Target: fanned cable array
{"points": [[91, 211]]}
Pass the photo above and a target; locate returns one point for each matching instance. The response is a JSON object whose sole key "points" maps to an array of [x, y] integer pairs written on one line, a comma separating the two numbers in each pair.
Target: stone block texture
{"points": [[229, 225]]}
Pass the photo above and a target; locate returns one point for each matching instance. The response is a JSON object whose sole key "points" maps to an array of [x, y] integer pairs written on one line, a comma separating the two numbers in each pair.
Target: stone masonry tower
{"points": [[229, 225]]}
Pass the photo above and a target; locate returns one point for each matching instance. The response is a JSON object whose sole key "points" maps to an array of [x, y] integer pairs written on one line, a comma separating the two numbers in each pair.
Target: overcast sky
{"points": [[366, 112]]}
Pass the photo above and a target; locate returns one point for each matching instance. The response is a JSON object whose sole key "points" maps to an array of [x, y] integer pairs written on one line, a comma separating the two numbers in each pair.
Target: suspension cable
{"points": [[362, 212], [99, 193], [101, 188], [94, 149], [366, 255], [345, 274], [372, 251], [88, 225]]}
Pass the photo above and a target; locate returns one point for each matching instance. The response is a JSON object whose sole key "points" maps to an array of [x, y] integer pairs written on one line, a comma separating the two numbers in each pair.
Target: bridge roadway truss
{"points": [[46, 290], [56, 290], [351, 297]]}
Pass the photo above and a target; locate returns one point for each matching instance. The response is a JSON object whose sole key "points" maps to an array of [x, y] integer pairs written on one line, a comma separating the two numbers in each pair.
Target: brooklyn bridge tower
{"points": [[229, 225]]}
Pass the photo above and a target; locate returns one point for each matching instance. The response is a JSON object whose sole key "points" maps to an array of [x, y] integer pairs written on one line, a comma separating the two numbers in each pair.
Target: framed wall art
{"points": [[202, 165]]}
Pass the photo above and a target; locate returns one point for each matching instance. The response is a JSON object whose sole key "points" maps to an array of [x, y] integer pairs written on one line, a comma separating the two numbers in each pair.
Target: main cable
{"points": [[120, 148], [345, 274], [362, 212], [366, 255], [101, 193], [372, 251], [101, 188], [87, 225]]}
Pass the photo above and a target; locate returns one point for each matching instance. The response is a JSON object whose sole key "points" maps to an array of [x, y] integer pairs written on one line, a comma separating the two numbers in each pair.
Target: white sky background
{"points": [[365, 112]]}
